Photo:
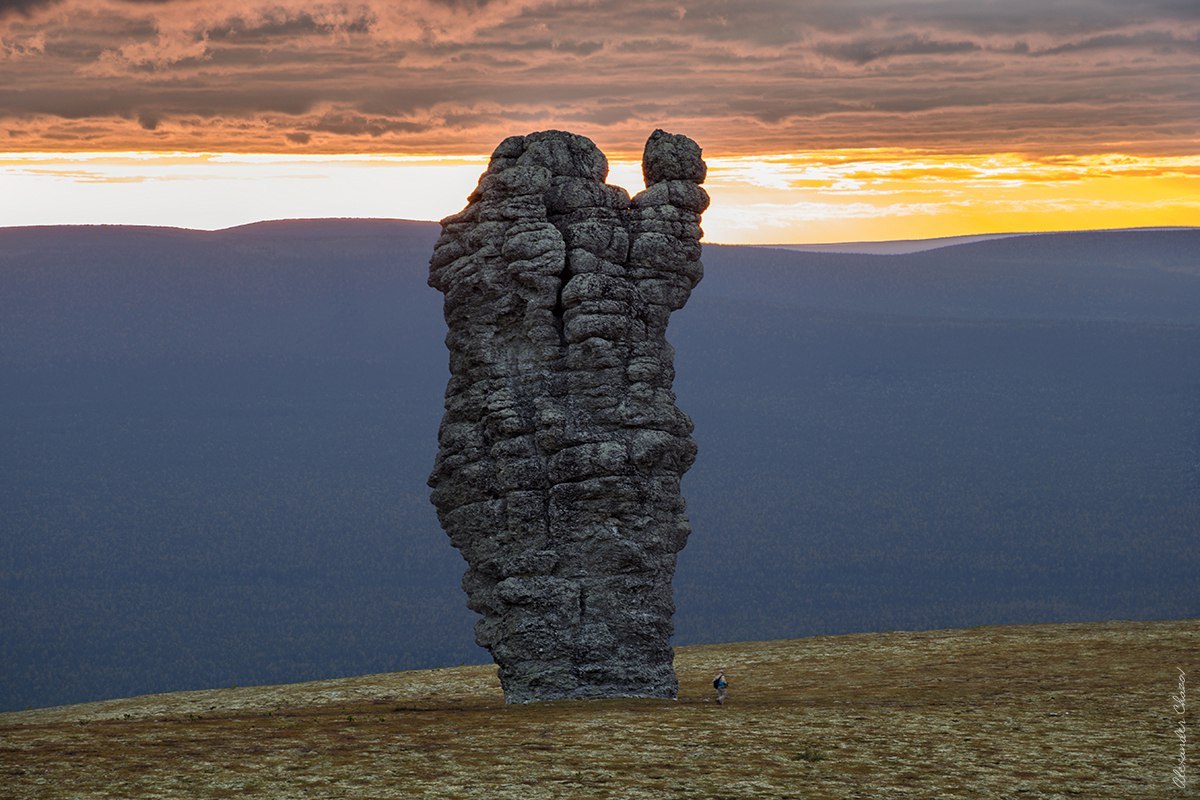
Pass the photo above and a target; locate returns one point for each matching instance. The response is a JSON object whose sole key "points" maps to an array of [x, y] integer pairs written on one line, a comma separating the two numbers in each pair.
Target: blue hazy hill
{"points": [[213, 447]]}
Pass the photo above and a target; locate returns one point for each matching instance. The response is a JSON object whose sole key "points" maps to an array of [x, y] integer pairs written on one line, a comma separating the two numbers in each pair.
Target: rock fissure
{"points": [[558, 311], [561, 448]]}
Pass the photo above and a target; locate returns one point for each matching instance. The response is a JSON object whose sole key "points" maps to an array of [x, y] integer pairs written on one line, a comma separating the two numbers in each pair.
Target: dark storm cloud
{"points": [[865, 51], [351, 124], [282, 26], [1160, 42], [1015, 17], [23, 7], [77, 103], [456, 75]]}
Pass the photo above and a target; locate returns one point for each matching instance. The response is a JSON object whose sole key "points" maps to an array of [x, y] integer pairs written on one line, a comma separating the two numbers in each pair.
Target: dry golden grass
{"points": [[1073, 710]]}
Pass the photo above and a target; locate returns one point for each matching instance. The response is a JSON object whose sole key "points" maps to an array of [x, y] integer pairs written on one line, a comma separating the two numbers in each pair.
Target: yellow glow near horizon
{"points": [[826, 196], [865, 195]]}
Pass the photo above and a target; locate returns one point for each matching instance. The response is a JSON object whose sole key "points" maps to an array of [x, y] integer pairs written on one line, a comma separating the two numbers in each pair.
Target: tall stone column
{"points": [[561, 449]]}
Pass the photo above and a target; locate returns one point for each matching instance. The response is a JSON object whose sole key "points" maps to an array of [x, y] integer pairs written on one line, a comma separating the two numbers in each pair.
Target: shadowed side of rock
{"points": [[561, 449]]}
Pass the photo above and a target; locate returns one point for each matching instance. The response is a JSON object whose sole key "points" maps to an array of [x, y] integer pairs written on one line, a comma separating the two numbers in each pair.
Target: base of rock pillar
{"points": [[538, 682]]}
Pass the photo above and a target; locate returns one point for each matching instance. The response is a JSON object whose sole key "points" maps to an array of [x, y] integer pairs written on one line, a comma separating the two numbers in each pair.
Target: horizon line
{"points": [[794, 245]]}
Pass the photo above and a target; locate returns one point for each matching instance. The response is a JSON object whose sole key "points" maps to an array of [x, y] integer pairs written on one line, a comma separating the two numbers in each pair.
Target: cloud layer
{"points": [[743, 77]]}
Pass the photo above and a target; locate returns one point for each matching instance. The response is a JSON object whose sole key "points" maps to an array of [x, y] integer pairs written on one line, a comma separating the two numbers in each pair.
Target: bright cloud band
{"points": [[835, 195]]}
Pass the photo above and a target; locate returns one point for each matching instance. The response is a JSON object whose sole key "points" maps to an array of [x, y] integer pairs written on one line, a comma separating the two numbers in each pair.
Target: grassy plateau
{"points": [[1042, 711]]}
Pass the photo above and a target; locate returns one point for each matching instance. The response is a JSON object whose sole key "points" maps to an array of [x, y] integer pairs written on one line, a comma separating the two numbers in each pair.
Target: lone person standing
{"points": [[720, 684]]}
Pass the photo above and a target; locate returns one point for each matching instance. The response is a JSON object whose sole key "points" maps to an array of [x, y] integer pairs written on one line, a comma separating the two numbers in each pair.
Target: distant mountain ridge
{"points": [[892, 247], [907, 246], [214, 446]]}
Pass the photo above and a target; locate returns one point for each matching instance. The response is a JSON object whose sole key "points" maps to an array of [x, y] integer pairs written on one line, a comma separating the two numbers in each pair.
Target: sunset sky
{"points": [[821, 121]]}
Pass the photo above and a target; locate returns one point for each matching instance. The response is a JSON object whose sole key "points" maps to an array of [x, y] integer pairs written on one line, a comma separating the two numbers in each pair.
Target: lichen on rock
{"points": [[561, 448]]}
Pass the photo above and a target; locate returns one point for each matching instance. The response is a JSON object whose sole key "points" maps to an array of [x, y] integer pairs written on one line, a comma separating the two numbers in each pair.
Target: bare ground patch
{"points": [[1047, 711]]}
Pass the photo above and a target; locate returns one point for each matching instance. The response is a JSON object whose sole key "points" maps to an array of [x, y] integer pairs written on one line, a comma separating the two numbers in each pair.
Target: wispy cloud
{"points": [[455, 76]]}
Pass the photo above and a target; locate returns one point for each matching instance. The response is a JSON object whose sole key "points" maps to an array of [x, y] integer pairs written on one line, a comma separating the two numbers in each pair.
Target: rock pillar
{"points": [[561, 449]]}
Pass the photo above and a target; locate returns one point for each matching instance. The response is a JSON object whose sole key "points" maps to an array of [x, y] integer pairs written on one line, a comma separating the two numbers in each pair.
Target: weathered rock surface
{"points": [[561, 449]]}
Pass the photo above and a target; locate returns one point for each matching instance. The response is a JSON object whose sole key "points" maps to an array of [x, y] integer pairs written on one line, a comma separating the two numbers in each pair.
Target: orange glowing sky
{"points": [[821, 120]]}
